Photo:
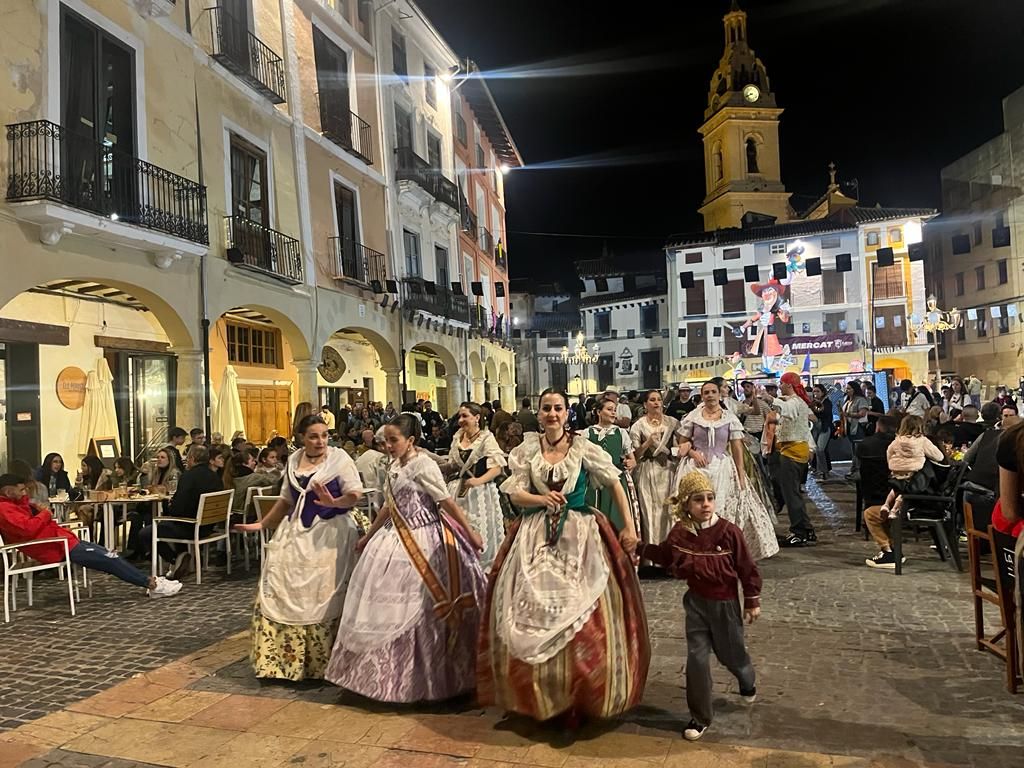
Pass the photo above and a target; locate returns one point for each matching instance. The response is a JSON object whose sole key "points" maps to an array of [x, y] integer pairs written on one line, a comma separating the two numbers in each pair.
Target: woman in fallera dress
{"points": [[308, 562], [712, 442], [412, 613], [474, 462], [564, 631], [653, 437], [617, 443]]}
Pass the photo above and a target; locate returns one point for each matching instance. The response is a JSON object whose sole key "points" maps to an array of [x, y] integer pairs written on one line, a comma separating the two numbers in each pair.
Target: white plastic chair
{"points": [[15, 563], [214, 509], [81, 530], [250, 494], [263, 506]]}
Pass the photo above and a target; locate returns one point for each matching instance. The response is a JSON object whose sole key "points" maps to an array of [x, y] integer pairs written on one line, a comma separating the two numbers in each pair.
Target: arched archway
{"points": [[62, 329], [358, 366], [432, 373], [490, 380]]}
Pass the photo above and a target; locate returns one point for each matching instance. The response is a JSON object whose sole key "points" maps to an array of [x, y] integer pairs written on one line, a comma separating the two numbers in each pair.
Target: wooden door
{"points": [[265, 408], [358, 396]]}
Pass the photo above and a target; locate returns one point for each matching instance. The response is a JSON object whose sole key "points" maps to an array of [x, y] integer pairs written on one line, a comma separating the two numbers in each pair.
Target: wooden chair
{"points": [[983, 587], [1003, 547], [16, 564], [214, 509]]}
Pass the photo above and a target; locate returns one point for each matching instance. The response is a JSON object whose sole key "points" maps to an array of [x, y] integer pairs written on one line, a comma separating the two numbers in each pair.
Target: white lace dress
{"points": [[482, 503]]}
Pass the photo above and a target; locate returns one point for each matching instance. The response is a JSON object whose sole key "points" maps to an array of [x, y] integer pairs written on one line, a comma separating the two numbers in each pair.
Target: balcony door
{"points": [[348, 232], [332, 80], [434, 152], [98, 119], [441, 271], [250, 206], [403, 129], [233, 18]]}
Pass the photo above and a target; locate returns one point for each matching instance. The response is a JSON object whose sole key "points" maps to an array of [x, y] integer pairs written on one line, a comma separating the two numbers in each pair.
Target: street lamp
{"points": [[581, 356], [935, 321]]}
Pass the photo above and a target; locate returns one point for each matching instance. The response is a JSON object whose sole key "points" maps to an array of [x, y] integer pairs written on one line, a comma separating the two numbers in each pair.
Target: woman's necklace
{"points": [[471, 438], [553, 445], [713, 415], [653, 420]]}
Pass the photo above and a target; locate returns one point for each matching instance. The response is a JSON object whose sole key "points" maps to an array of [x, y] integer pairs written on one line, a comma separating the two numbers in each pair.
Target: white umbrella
{"points": [[229, 417], [99, 417], [213, 409]]}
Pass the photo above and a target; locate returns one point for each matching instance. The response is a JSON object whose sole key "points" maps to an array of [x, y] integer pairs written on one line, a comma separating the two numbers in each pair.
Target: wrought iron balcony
{"points": [[412, 167], [254, 246], [486, 241], [346, 128], [442, 302], [246, 55], [354, 261], [49, 162], [500, 259]]}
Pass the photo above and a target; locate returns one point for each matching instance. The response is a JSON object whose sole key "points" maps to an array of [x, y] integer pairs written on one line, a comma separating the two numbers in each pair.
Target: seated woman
{"points": [[53, 475], [240, 474], [38, 494], [125, 473], [159, 476]]}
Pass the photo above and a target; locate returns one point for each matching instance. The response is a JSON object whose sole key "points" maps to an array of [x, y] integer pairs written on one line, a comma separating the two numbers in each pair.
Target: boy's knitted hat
{"points": [[694, 482]]}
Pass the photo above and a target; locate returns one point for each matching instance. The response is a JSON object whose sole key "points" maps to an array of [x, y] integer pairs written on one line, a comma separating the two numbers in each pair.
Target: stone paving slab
{"points": [[856, 668]]}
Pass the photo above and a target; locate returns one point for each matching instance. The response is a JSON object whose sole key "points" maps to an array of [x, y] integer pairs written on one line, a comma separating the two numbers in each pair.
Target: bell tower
{"points": [[741, 136]]}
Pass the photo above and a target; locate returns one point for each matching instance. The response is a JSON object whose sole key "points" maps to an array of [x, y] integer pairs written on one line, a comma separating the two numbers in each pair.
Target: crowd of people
{"points": [[504, 550]]}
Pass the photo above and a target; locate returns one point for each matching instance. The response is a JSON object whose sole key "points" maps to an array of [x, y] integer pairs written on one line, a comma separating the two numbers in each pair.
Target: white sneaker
{"points": [[165, 587], [694, 730]]}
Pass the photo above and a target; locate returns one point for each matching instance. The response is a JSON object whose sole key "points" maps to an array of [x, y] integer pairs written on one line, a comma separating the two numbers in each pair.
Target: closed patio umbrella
{"points": [[99, 417], [229, 418]]}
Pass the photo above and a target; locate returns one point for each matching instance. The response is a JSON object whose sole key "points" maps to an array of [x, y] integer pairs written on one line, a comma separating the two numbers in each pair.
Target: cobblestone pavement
{"points": [[856, 667]]}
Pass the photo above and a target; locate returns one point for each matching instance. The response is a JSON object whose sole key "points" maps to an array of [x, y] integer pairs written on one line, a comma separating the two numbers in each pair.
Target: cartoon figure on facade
{"points": [[774, 309]]}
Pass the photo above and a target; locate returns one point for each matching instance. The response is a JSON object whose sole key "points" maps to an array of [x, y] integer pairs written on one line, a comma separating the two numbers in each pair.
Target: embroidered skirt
{"points": [[288, 652]]}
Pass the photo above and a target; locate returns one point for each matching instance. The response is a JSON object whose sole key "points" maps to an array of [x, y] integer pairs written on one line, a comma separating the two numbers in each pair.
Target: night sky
{"points": [[891, 90]]}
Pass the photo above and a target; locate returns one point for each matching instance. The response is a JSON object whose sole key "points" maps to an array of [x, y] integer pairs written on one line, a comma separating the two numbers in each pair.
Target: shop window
{"points": [[253, 345]]}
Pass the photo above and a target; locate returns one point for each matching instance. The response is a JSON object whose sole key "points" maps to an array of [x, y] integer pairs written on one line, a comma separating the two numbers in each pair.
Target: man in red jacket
{"points": [[21, 524]]}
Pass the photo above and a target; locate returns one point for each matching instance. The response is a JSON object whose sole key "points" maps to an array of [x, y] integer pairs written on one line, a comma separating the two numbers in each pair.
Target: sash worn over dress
{"points": [[481, 504], [396, 642], [565, 627]]}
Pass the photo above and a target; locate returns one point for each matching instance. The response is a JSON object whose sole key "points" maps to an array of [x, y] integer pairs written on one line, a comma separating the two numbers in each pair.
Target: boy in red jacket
{"points": [[711, 554], [21, 523]]}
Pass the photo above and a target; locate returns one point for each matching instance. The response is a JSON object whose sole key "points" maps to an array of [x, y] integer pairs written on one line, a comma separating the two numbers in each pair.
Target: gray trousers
{"points": [[713, 625], [786, 477]]}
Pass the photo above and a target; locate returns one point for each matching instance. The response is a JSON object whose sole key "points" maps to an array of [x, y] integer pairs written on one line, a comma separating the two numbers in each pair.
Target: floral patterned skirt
{"points": [[289, 652]]}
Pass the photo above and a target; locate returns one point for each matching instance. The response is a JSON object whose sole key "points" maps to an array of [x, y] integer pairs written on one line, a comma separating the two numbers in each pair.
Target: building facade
{"points": [[545, 318], [195, 185], [974, 255]]}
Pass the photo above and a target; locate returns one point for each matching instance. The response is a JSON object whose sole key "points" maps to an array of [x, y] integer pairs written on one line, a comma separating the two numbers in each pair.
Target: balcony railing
{"points": [[486, 240], [412, 167], [263, 249], [346, 129], [48, 162], [442, 302], [246, 55], [354, 261], [888, 283], [466, 216]]}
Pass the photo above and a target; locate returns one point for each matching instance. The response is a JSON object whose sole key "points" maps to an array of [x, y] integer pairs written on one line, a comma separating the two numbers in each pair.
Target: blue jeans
{"points": [[96, 558]]}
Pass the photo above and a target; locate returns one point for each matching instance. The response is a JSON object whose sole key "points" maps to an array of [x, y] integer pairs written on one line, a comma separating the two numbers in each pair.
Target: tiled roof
{"points": [[843, 219], [635, 264], [478, 95], [556, 321]]}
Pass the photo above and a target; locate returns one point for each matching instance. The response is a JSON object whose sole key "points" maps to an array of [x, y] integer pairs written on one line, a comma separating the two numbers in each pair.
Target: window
{"points": [[888, 281], [434, 151], [895, 235], [460, 129], [441, 273], [481, 161], [696, 339], [430, 85], [693, 258], [961, 245], [249, 199], [961, 332], [253, 345], [695, 301], [332, 83], [467, 273], [834, 322], [752, 156], [439, 370], [421, 368], [890, 329], [958, 283], [734, 296], [413, 266], [831, 242], [730, 253], [873, 238], [733, 343], [399, 63], [365, 13], [603, 324], [403, 129], [1004, 321], [649, 319], [833, 288], [979, 275], [776, 249], [605, 371], [1004, 274], [977, 233], [982, 325]]}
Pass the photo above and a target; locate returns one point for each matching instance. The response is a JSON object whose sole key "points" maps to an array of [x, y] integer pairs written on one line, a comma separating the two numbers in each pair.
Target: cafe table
{"points": [[109, 531]]}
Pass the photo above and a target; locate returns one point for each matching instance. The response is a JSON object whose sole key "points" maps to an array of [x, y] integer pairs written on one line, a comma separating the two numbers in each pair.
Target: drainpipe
{"points": [[204, 321]]}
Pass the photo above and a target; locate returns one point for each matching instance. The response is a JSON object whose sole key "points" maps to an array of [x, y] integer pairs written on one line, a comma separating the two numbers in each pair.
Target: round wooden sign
{"points": [[71, 388]]}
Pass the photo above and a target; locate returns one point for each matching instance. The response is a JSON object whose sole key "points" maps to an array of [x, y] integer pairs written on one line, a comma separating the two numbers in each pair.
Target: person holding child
{"points": [[906, 457], [711, 554]]}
